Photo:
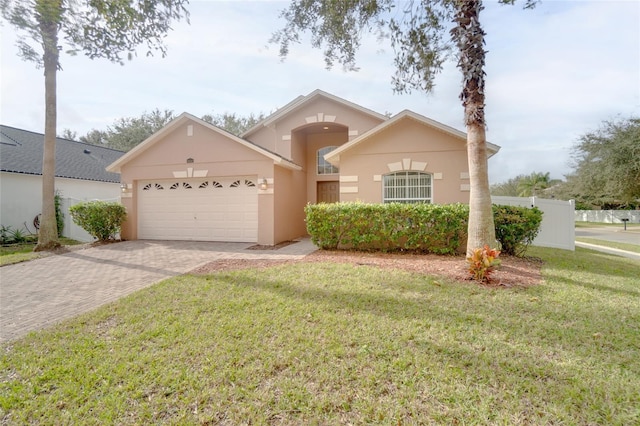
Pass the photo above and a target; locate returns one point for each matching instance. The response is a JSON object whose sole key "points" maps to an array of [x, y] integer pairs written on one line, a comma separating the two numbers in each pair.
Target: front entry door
{"points": [[328, 192]]}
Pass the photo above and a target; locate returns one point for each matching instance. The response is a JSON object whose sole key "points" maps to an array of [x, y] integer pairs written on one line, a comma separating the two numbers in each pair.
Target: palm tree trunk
{"points": [[469, 37], [48, 235], [481, 229]]}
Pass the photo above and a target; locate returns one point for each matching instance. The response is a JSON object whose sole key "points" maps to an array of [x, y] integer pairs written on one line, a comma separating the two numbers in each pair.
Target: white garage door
{"points": [[203, 209]]}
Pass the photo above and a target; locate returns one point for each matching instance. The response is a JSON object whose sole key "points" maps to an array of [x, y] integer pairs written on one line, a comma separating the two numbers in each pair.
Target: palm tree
{"points": [[530, 186]]}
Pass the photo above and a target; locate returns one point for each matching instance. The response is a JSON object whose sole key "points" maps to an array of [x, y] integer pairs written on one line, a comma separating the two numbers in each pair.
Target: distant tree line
{"points": [[605, 175], [126, 133]]}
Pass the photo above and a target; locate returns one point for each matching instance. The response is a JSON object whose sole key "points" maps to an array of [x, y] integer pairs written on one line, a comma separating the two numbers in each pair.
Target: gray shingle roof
{"points": [[21, 152]]}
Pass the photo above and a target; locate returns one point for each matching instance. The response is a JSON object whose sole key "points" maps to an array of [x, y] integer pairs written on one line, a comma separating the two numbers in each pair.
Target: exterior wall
{"points": [[277, 137], [21, 200], [213, 154], [289, 202], [313, 143], [407, 145]]}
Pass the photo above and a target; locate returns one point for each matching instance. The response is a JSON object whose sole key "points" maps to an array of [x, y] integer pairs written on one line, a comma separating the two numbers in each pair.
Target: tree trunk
{"points": [[48, 235], [481, 229], [469, 38]]}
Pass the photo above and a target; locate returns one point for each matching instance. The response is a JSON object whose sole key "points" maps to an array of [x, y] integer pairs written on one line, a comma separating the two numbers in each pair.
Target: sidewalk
{"points": [[609, 250]]}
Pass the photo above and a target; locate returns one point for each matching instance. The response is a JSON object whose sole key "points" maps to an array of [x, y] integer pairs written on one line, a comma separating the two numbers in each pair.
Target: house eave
{"points": [[333, 157], [300, 100], [182, 118]]}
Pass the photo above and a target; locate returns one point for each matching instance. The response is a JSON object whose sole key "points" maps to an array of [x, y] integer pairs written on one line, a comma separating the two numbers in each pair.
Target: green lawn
{"points": [[339, 344], [16, 253], [635, 248], [630, 226]]}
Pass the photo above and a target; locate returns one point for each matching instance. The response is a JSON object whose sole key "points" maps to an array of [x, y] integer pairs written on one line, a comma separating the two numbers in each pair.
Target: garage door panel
{"points": [[213, 209]]}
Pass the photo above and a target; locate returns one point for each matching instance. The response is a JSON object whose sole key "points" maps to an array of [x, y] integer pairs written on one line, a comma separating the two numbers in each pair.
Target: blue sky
{"points": [[553, 74]]}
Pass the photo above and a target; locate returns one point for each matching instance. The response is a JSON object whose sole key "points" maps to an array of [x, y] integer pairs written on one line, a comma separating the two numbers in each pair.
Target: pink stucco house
{"points": [[194, 181]]}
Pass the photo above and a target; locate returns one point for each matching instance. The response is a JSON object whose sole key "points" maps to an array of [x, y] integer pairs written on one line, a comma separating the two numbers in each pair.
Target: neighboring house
{"points": [[80, 176], [194, 181]]}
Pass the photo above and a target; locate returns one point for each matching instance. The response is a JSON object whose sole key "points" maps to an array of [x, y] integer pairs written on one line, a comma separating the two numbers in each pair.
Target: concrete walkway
{"points": [[36, 294], [609, 250]]}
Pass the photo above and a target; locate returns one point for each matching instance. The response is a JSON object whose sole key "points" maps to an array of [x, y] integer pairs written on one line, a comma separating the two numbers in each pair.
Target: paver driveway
{"points": [[41, 292]]}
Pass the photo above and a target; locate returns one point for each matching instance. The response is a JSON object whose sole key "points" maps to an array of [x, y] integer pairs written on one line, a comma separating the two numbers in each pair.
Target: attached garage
{"points": [[199, 209]]}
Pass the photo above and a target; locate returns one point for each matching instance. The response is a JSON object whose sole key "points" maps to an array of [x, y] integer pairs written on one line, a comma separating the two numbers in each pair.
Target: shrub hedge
{"points": [[428, 228], [101, 219], [516, 227]]}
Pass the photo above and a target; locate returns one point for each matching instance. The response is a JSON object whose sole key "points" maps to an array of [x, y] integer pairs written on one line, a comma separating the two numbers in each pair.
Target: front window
{"points": [[324, 167], [407, 187]]}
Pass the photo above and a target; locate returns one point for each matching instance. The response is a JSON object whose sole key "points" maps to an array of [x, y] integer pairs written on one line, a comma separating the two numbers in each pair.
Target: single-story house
{"points": [[80, 176], [194, 181]]}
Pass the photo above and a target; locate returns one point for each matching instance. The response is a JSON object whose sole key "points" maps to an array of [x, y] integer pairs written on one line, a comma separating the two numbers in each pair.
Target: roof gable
{"points": [[21, 152], [184, 118], [334, 156], [300, 102]]}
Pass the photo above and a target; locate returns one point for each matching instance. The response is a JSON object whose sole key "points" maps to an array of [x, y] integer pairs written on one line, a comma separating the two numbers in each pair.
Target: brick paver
{"points": [[36, 294]]}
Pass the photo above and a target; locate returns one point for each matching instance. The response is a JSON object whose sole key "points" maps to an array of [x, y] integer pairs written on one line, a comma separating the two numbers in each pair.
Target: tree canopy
{"points": [[96, 28], [606, 166], [126, 133], [533, 184]]}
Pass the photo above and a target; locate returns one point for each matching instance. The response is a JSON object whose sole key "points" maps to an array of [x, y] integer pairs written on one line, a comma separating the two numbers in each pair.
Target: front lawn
{"points": [[634, 248], [22, 252], [630, 225], [322, 343]]}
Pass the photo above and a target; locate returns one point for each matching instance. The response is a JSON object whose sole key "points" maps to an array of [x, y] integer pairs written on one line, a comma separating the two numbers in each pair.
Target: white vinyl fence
{"points": [[607, 216], [558, 220], [71, 230]]}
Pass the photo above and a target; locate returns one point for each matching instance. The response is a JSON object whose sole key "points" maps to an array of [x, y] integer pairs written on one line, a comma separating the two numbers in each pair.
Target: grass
{"points": [[16, 253], [630, 226], [342, 344], [635, 248]]}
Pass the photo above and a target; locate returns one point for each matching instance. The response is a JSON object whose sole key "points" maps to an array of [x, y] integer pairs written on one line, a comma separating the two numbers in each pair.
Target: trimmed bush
{"points": [[516, 227], [428, 228], [101, 219], [431, 228]]}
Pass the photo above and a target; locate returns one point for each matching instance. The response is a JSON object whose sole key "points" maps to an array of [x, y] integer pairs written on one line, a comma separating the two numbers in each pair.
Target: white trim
{"points": [[395, 167], [348, 189], [348, 178], [465, 187], [190, 130], [265, 191], [418, 166], [406, 163], [311, 119], [329, 118], [437, 176], [464, 175], [286, 137], [353, 132], [377, 178]]}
